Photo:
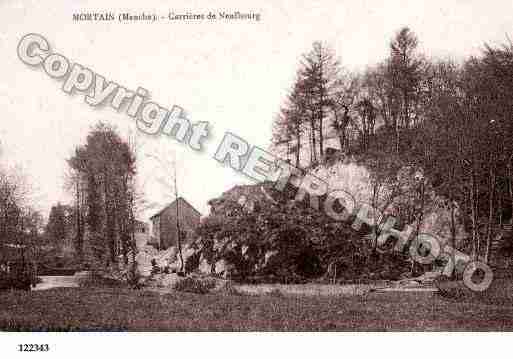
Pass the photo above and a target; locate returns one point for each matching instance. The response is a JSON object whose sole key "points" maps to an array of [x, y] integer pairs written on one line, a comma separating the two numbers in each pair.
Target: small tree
{"points": [[56, 229]]}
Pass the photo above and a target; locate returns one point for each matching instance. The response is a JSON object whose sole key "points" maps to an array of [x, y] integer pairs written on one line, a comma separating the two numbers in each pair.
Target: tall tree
{"points": [[319, 75], [404, 68], [56, 228], [106, 166]]}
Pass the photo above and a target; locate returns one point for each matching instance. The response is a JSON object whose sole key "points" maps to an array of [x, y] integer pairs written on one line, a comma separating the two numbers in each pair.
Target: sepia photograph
{"points": [[170, 168]]}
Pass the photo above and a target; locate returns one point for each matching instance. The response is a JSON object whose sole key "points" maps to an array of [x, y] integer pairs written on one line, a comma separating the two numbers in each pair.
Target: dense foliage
{"points": [[289, 241], [102, 175], [452, 120]]}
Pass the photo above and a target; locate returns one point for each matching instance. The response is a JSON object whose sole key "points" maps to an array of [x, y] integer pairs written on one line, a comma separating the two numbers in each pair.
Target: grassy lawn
{"points": [[129, 310]]}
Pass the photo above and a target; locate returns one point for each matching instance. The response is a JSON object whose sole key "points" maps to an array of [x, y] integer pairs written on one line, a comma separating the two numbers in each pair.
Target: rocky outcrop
{"points": [[162, 258]]}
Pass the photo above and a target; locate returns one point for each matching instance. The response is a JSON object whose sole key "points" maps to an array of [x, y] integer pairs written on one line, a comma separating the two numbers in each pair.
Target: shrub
{"points": [[18, 280], [134, 278], [454, 289], [275, 293], [192, 263], [155, 269], [14, 283], [195, 285]]}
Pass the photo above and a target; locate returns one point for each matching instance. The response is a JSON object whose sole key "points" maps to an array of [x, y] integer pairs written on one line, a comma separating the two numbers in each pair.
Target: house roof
{"points": [[166, 207]]}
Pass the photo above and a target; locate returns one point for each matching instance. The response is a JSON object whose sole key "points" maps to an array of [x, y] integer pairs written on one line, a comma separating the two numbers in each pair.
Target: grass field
{"points": [[76, 309]]}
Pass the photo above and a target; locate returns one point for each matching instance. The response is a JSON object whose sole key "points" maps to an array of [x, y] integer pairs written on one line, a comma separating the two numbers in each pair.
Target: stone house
{"points": [[164, 229]]}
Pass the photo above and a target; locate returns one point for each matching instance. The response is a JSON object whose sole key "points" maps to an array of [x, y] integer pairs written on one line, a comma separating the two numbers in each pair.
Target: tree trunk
{"points": [[313, 154], [298, 147], [109, 223], [510, 185], [491, 196], [80, 234], [475, 239], [453, 236], [321, 135], [397, 137]]}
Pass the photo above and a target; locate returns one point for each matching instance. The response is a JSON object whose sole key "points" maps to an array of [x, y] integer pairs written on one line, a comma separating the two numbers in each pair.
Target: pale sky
{"points": [[232, 74]]}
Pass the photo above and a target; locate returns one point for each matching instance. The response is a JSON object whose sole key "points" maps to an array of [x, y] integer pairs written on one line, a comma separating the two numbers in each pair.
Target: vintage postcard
{"points": [[169, 167]]}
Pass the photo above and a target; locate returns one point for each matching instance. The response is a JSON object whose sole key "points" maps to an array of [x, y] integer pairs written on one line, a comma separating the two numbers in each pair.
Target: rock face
{"points": [[187, 253], [148, 253], [204, 266], [223, 269], [249, 197], [193, 260], [257, 201], [220, 269]]}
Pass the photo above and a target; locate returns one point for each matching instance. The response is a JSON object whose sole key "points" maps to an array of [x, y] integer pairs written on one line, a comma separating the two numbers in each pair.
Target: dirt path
{"points": [[305, 289], [49, 282]]}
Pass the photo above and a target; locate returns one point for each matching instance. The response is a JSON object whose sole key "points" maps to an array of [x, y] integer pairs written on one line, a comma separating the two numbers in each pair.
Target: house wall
{"points": [[141, 227], [166, 223], [155, 231], [141, 234]]}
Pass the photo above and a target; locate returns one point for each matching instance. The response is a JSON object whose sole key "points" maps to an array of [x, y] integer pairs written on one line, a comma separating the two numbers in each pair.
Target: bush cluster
{"points": [[290, 242], [195, 285]]}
